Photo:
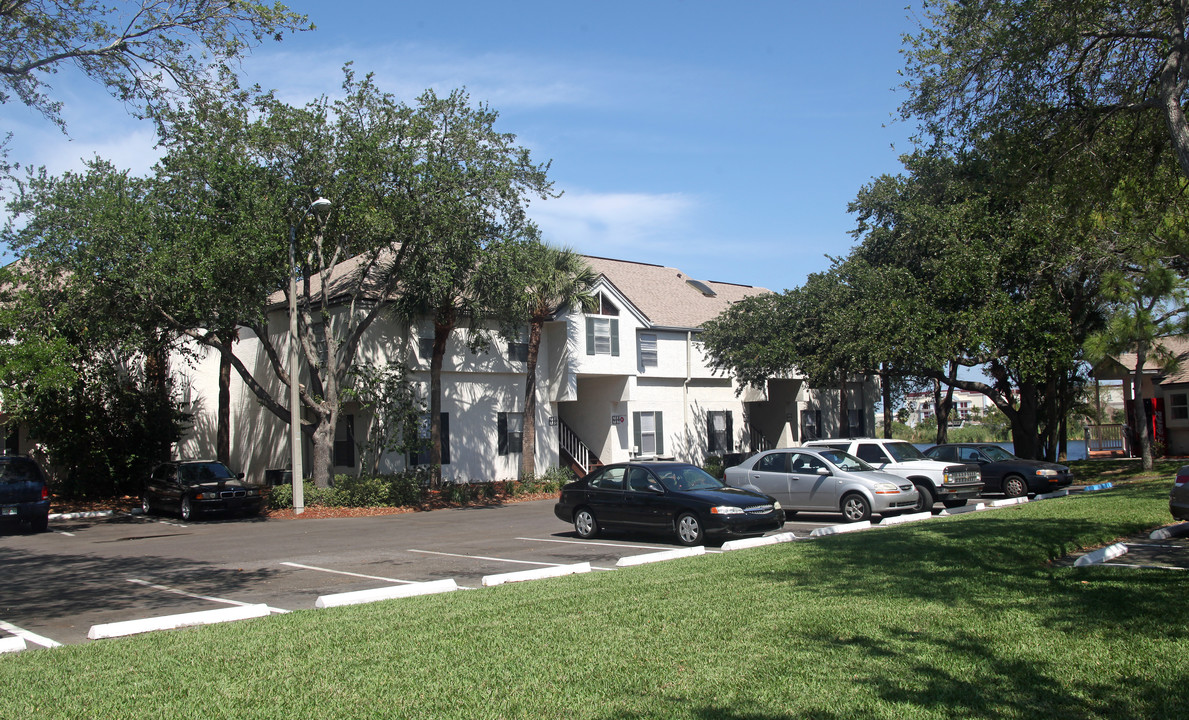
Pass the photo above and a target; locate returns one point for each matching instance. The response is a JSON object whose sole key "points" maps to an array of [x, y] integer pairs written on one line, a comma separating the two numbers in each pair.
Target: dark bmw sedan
{"points": [[665, 497], [1003, 472], [202, 486]]}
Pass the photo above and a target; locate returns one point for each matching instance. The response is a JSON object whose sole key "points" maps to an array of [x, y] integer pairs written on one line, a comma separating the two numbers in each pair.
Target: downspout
{"points": [[689, 345]]}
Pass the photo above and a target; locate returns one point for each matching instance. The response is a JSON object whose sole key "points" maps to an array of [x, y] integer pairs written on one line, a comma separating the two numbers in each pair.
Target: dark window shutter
{"points": [[445, 438], [590, 336], [730, 432], [660, 434], [615, 337], [636, 428], [502, 433], [711, 437]]}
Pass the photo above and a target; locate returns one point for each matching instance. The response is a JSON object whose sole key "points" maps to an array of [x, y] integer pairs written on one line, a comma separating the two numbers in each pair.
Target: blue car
{"points": [[24, 495]]}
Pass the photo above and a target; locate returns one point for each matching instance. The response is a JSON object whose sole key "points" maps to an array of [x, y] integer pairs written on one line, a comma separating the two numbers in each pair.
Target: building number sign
{"points": [[618, 419]]}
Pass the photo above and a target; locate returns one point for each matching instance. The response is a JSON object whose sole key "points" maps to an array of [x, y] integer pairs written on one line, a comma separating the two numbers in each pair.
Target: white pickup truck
{"points": [[951, 483]]}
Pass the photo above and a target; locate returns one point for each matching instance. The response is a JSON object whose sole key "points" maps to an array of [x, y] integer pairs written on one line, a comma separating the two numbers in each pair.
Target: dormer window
{"points": [[606, 307]]}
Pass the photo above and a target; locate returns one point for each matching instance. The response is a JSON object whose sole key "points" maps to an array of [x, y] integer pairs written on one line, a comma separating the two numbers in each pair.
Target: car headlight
{"points": [[205, 496], [726, 510], [1046, 473], [886, 488]]}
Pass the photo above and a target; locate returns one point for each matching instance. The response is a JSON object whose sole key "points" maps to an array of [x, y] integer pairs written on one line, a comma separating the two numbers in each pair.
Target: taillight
{"points": [[1182, 476], [45, 493]]}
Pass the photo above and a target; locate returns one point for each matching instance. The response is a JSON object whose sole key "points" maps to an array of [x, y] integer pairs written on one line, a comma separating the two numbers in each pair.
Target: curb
{"points": [[1100, 486], [1101, 555], [91, 514], [12, 644], [911, 517], [660, 556], [836, 529], [537, 574], [977, 507], [172, 622], [360, 597], [1055, 494], [1008, 501], [758, 542], [1165, 533]]}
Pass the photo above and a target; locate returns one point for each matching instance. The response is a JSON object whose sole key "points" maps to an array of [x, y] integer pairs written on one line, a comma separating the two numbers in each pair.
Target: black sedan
{"points": [[665, 497], [1003, 472], [202, 486]]}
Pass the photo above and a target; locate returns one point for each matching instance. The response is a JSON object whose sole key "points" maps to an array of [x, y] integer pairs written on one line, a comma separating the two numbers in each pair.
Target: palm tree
{"points": [[557, 278]]}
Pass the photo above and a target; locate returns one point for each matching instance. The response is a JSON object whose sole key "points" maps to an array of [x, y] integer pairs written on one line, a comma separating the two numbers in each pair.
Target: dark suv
{"points": [[199, 486], [24, 496]]}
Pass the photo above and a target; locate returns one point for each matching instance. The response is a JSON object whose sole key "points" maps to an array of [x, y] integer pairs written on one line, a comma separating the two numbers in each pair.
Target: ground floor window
{"points": [[720, 432], [1178, 404], [423, 434], [510, 429], [649, 433], [811, 424]]}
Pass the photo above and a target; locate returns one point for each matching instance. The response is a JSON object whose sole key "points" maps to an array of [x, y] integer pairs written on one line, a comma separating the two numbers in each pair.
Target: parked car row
{"points": [[859, 477]]}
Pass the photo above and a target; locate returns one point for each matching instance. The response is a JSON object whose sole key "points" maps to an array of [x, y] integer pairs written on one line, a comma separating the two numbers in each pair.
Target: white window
{"points": [[648, 356], [650, 437], [602, 336], [1178, 404], [510, 428]]}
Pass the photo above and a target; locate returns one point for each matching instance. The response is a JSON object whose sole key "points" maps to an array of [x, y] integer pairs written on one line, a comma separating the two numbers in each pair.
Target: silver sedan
{"points": [[824, 480]]}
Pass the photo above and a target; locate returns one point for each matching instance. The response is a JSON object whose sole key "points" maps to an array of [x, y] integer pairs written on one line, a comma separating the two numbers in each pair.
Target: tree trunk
{"points": [[1024, 422], [886, 390], [1140, 413], [321, 462], [843, 415], [442, 327], [944, 405], [223, 421], [528, 449]]}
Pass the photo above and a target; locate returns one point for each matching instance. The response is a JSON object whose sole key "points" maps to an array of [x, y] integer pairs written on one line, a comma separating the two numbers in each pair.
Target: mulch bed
{"points": [[127, 503]]}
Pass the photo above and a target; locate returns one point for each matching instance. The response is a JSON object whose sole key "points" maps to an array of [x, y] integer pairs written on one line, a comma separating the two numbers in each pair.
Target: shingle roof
{"points": [[664, 294], [1178, 345]]}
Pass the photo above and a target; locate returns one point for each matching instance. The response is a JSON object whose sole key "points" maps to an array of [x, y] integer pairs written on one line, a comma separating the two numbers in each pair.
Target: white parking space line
{"points": [[175, 591], [63, 532], [589, 542], [493, 559], [1146, 567], [1147, 545], [28, 636], [351, 574]]}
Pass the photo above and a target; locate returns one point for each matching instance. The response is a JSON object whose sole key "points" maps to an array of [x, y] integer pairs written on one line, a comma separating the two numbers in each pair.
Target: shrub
{"points": [[714, 466]]}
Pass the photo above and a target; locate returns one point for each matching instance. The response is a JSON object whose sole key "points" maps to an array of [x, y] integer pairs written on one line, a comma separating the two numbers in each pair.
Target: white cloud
{"points": [[612, 223]]}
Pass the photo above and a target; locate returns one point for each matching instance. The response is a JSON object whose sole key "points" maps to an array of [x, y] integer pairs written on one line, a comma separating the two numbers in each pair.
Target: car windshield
{"points": [[902, 451], [846, 461], [687, 477], [996, 453], [203, 472]]}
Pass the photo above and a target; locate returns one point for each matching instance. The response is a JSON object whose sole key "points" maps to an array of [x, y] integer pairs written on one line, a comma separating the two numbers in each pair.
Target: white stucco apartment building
{"points": [[629, 380]]}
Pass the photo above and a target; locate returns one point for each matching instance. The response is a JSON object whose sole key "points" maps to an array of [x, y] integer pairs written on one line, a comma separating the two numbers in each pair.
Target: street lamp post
{"points": [[294, 387]]}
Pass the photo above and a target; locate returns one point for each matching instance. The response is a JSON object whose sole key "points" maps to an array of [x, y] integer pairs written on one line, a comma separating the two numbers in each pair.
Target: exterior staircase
{"points": [[574, 453]]}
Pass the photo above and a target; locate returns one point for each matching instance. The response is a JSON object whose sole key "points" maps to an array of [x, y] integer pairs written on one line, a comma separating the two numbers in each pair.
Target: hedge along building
{"points": [[625, 381]]}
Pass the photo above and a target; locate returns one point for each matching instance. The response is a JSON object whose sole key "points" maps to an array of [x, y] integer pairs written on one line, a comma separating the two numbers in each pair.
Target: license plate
{"points": [[8, 511]]}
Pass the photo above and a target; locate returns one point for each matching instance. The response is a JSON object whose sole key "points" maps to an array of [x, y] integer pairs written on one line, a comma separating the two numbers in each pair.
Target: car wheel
{"points": [[689, 529], [855, 508], [187, 509], [145, 505], [954, 503], [39, 524], [585, 524], [925, 499], [1014, 486]]}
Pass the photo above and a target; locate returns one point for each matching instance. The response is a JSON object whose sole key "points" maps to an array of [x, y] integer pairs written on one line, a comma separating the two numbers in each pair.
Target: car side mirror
{"points": [[823, 471], [239, 476]]}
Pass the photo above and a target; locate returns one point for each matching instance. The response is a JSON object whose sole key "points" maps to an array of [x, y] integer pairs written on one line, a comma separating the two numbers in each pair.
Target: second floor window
{"points": [[602, 336], [518, 352], [648, 357]]}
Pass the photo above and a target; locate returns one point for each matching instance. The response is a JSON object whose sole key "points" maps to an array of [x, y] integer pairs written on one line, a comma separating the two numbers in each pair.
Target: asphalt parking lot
{"points": [[87, 572], [94, 571]]}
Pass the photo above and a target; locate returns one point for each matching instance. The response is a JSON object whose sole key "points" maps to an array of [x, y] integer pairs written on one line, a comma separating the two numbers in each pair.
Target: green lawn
{"points": [[961, 617]]}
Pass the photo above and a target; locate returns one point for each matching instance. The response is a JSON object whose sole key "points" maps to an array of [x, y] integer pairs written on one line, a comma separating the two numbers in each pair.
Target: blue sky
{"points": [[722, 140]]}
